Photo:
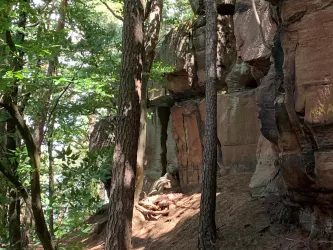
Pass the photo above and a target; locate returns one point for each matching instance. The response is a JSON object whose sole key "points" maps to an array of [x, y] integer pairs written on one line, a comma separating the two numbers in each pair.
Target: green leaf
{"points": [[86, 230]]}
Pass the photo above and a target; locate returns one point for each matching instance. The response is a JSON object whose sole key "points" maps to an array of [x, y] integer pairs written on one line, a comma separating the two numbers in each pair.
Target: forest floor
{"points": [[242, 221]]}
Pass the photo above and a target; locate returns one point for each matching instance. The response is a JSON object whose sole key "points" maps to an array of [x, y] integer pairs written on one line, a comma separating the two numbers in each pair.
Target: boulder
{"points": [[249, 44]]}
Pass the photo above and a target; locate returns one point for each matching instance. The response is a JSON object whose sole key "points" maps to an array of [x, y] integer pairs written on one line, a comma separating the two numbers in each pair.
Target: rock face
{"points": [[160, 146], [276, 117], [308, 100], [238, 125], [238, 133], [184, 50], [187, 133], [295, 101], [266, 179]]}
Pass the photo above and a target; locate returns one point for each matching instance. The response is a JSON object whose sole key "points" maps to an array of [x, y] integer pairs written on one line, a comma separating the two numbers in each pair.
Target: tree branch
{"points": [[57, 102], [112, 11], [19, 186], [10, 42]]}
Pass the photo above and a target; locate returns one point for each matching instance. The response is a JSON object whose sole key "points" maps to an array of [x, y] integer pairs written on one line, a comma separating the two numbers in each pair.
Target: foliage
{"points": [[84, 85]]}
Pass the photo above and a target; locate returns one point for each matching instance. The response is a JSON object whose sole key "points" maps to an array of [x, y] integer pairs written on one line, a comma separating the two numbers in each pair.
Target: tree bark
{"points": [[40, 223], [14, 205], [152, 31], [3, 185], [119, 228], [207, 226], [51, 177], [16, 56]]}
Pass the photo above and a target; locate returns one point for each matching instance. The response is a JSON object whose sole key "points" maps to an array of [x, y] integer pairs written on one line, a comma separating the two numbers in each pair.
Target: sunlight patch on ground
{"points": [[179, 214]]}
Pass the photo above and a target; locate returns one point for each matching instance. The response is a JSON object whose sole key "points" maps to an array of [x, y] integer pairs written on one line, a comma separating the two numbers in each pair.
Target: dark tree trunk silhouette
{"points": [[16, 56], [207, 227], [119, 228], [36, 201], [14, 209]]}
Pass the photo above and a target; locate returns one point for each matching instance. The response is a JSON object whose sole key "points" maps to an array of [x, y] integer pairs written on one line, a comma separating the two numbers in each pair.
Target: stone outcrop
{"points": [[160, 146], [187, 133], [295, 102], [238, 133], [267, 179], [275, 106], [238, 125], [184, 50], [102, 135], [308, 98]]}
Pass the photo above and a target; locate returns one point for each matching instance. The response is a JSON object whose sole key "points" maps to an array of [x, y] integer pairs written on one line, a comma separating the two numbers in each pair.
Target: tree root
{"points": [[155, 206]]}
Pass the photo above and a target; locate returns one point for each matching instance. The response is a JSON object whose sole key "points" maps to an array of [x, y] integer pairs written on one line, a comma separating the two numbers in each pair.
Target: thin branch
{"points": [[20, 123], [112, 11], [57, 102], [24, 102], [33, 25]]}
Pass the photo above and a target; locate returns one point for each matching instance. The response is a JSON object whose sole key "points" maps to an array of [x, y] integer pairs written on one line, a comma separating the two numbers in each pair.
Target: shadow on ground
{"points": [[243, 223]]}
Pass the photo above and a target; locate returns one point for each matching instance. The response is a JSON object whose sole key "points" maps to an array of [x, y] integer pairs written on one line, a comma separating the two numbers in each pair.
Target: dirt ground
{"points": [[243, 223]]}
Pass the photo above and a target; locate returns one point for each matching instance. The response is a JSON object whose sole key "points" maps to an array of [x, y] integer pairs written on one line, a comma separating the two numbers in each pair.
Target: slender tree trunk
{"points": [[3, 184], [153, 25], [14, 220], [16, 61], [27, 225], [207, 227], [14, 205], [119, 228], [36, 201], [142, 143], [51, 177]]}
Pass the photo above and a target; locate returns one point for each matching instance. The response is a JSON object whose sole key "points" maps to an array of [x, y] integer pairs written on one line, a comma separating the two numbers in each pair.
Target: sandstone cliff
{"points": [[275, 104], [275, 107]]}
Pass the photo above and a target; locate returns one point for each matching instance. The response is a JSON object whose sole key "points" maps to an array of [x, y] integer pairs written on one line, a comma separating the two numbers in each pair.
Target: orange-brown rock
{"points": [[238, 133]]}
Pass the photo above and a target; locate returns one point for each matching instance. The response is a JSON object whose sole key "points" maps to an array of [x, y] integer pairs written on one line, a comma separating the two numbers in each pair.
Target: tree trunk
{"points": [[3, 185], [14, 209], [40, 223], [27, 225], [207, 227], [152, 31], [142, 143], [119, 228], [14, 205], [51, 177]]}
